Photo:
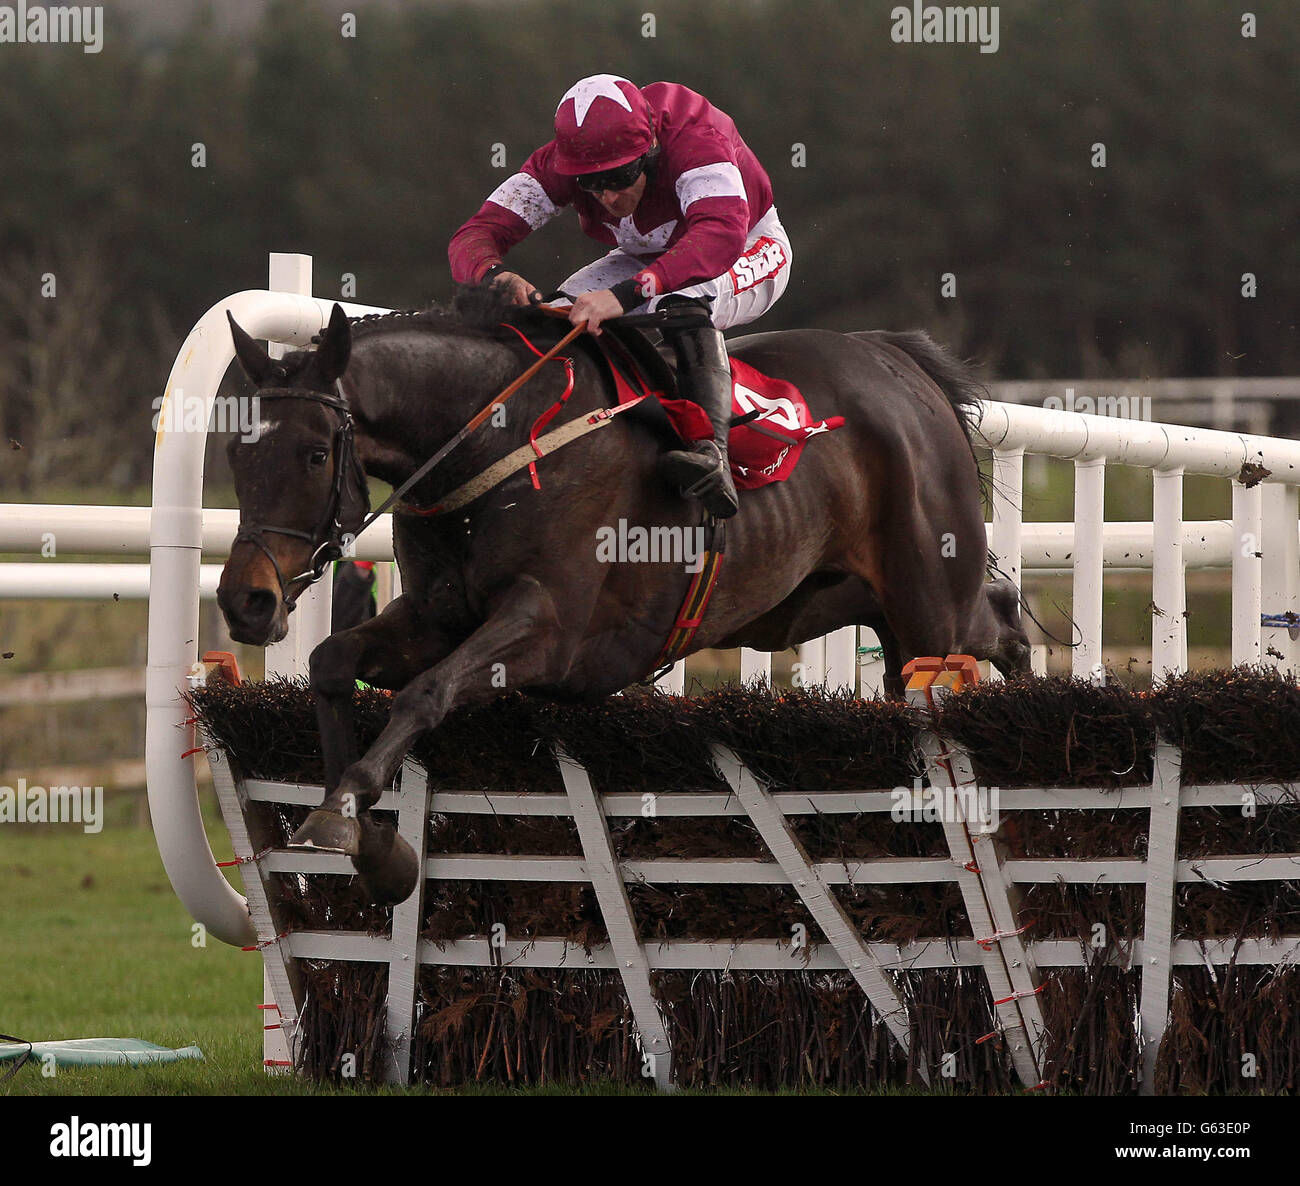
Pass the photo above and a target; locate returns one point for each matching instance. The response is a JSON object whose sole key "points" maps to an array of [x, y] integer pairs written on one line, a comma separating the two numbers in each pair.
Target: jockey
{"points": [[663, 177]]}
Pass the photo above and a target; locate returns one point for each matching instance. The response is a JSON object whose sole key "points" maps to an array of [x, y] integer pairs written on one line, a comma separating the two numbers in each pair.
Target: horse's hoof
{"points": [[387, 864], [329, 831]]}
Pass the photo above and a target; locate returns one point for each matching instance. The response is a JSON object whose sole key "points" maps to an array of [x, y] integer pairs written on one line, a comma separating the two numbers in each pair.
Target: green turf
{"points": [[97, 945], [94, 943]]}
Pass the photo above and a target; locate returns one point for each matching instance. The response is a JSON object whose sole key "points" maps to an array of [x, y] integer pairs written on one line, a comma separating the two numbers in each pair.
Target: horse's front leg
{"points": [[893, 683], [521, 643], [388, 651]]}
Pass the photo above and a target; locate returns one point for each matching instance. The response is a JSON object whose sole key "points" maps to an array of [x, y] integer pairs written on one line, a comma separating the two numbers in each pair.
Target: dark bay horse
{"points": [[881, 524]]}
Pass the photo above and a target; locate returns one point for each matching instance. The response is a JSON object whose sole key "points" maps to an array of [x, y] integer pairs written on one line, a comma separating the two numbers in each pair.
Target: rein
{"points": [[327, 538], [474, 423]]}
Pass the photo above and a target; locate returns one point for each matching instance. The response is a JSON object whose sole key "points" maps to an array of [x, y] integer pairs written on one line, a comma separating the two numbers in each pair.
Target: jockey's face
{"points": [[621, 202]]}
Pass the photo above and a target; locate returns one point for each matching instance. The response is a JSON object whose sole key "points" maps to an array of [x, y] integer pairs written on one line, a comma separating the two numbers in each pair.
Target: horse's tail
{"points": [[956, 379]]}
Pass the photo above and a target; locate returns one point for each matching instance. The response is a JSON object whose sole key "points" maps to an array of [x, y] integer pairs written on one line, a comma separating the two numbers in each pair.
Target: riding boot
{"points": [[702, 470]]}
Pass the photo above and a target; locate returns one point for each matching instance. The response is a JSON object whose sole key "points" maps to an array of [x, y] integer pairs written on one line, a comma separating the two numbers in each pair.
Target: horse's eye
{"points": [[319, 456]]}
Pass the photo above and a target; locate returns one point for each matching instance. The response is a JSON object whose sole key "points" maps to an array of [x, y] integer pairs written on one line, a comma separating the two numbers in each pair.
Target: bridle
{"points": [[327, 538]]}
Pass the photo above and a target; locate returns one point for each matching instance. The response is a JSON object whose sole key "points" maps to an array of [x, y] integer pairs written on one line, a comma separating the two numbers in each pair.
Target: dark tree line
{"points": [[893, 165]]}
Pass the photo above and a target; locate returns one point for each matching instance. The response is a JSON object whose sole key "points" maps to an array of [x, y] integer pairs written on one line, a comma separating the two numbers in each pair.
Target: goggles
{"points": [[620, 178]]}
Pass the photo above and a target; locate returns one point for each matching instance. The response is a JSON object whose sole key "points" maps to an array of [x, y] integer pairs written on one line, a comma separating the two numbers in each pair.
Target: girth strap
{"points": [[691, 614]]}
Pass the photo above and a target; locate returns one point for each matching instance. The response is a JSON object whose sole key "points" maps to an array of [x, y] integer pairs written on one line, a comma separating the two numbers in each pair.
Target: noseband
{"points": [[327, 539]]}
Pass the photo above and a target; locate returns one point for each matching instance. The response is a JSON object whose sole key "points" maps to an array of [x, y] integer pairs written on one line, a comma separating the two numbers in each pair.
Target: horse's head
{"points": [[298, 479]]}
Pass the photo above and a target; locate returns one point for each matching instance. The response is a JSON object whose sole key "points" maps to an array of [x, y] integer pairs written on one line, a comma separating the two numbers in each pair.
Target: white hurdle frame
{"points": [[989, 882]]}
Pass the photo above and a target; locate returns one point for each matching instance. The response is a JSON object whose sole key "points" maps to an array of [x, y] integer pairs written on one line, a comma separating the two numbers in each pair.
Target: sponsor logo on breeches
{"points": [[761, 262]]}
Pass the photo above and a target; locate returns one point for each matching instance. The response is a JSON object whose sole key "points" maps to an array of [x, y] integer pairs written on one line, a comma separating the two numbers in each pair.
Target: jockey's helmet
{"points": [[602, 122]]}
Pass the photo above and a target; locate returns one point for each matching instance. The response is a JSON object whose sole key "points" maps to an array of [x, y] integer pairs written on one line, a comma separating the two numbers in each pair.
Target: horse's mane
{"points": [[474, 307]]}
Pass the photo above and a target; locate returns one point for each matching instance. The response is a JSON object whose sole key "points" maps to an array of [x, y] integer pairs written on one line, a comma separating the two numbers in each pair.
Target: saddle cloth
{"points": [[764, 450]]}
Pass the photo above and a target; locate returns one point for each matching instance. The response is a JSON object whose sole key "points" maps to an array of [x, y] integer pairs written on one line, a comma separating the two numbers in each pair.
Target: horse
{"points": [[880, 524]]}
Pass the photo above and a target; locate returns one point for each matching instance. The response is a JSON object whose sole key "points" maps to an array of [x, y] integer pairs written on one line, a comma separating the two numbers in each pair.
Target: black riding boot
{"points": [[704, 377]]}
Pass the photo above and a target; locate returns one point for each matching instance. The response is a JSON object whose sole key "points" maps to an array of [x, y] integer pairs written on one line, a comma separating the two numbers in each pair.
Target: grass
{"points": [[96, 944], [99, 946]]}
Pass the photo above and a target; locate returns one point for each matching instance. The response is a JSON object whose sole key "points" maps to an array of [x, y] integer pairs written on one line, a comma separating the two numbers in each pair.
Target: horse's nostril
{"points": [[257, 605], [248, 607]]}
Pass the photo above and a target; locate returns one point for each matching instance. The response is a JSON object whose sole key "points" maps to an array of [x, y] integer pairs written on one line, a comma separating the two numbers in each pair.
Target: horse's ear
{"points": [[335, 346], [257, 364]]}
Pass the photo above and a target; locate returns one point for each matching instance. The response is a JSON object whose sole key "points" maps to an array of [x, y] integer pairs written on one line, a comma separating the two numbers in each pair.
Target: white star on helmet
{"points": [[587, 90]]}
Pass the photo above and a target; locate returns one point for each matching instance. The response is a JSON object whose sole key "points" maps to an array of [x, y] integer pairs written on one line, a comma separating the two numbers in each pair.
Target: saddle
{"points": [[632, 362], [770, 421]]}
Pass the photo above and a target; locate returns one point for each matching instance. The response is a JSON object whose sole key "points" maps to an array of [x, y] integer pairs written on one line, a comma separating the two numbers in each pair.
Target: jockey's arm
{"points": [[516, 208], [713, 242]]}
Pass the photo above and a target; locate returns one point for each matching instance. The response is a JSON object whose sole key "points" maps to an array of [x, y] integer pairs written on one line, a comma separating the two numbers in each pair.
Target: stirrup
{"points": [[713, 487]]}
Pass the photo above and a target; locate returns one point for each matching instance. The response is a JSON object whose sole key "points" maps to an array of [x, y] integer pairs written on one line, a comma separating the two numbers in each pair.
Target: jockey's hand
{"points": [[518, 289], [595, 307]]}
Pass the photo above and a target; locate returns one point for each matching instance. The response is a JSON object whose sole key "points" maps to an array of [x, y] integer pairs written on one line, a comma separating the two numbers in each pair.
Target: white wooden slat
{"points": [[1247, 571], [616, 909], [470, 867], [1231, 794], [301, 794], [318, 863], [677, 804], [1133, 870], [758, 871], [1168, 575], [1003, 899], [1107, 871], [1281, 574], [1278, 867], [408, 920], [825, 908], [1138, 798], [811, 664], [690, 871], [971, 868], [705, 803], [1198, 952], [1011, 974], [842, 659], [282, 1003], [774, 955], [1158, 927], [673, 682]]}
